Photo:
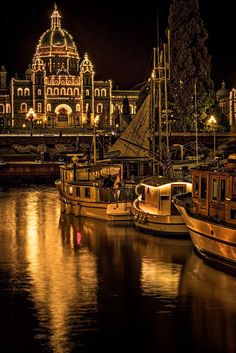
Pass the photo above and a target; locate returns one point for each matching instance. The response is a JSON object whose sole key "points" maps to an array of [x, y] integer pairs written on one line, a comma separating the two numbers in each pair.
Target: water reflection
{"points": [[79, 285], [209, 295]]}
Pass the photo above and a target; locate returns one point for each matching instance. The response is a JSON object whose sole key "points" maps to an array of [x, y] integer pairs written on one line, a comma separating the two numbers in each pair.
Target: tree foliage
{"points": [[189, 65]]}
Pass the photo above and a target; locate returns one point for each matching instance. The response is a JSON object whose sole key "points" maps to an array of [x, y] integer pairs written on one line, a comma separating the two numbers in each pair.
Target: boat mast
{"points": [[166, 102], [163, 110], [196, 124], [153, 110]]}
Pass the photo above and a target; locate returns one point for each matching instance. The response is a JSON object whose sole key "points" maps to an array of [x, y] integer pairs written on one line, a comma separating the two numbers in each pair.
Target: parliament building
{"points": [[59, 89]]}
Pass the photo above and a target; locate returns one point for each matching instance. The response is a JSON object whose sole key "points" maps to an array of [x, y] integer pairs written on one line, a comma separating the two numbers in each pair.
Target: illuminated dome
{"points": [[222, 92], [57, 49]]}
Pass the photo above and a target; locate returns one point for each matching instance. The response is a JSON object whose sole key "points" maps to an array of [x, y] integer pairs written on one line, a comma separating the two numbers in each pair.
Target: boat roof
{"points": [[160, 180]]}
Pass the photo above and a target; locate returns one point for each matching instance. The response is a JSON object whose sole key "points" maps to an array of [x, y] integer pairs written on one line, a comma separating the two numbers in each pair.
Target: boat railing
{"points": [[115, 195]]}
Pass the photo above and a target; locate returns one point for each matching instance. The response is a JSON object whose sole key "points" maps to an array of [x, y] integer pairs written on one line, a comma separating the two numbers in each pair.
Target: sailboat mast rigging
{"points": [[159, 99]]}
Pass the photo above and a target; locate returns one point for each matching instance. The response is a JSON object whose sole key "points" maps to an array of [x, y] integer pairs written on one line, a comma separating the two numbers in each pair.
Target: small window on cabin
{"points": [[234, 188], [165, 197], [203, 187], [77, 192], [178, 190], [87, 192], [196, 186], [142, 192], [214, 189], [233, 214], [222, 190]]}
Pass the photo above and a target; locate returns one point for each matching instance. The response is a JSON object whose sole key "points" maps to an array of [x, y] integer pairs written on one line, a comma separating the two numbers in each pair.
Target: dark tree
{"points": [[189, 65]]}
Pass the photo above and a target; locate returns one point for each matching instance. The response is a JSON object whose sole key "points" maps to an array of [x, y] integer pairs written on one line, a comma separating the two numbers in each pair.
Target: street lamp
{"points": [[212, 122], [31, 117], [95, 125]]}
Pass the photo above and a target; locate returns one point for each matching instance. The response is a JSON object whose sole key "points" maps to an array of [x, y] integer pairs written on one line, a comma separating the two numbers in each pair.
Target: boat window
{"points": [[196, 185], [233, 214], [203, 187], [234, 188], [70, 190], [165, 197], [214, 189], [77, 192], [87, 192], [222, 190], [180, 189]]}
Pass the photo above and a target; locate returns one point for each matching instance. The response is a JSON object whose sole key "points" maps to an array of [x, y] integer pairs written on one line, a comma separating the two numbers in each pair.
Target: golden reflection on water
{"points": [[60, 284], [77, 272], [160, 278]]}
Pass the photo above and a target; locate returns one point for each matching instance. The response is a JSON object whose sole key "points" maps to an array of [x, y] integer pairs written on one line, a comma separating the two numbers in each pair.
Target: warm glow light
{"points": [[212, 121], [31, 114]]}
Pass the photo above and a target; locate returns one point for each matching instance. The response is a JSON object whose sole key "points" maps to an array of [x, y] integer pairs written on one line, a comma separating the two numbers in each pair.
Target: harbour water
{"points": [[78, 285]]}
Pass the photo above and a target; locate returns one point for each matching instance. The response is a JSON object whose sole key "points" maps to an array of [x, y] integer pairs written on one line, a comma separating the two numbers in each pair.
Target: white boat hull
{"points": [[112, 211], [171, 225]]}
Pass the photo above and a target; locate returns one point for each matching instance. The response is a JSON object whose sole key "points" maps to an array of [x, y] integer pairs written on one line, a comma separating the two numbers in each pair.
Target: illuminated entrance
{"points": [[63, 114]]}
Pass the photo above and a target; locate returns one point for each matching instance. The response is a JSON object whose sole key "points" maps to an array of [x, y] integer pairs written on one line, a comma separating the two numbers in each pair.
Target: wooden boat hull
{"points": [[112, 211], [214, 241], [173, 226]]}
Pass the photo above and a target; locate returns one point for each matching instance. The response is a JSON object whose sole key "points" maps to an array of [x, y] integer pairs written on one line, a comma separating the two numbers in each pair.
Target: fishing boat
{"points": [[95, 190], [209, 212], [153, 209]]}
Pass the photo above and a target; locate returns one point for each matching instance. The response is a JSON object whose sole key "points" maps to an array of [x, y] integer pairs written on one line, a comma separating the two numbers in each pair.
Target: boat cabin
{"points": [[157, 193], [214, 192]]}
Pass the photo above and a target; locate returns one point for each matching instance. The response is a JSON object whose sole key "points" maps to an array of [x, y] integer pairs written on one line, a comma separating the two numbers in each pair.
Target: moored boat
{"points": [[95, 191], [153, 209], [209, 212]]}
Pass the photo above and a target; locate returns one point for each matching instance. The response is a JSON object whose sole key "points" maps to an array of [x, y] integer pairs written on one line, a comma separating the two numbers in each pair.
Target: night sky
{"points": [[118, 36]]}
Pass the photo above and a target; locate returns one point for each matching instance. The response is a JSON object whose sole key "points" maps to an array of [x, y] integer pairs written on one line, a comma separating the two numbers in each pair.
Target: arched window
{"points": [[63, 91], [78, 107], [19, 92], [49, 108], [69, 91], [76, 91], [97, 92], [49, 91], [39, 106], [23, 107], [39, 92], [103, 92], [87, 92], [99, 107], [8, 108], [26, 92], [56, 91]]}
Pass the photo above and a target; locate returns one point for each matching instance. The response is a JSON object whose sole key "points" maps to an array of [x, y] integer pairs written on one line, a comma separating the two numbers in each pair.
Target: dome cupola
{"points": [[57, 49], [86, 65]]}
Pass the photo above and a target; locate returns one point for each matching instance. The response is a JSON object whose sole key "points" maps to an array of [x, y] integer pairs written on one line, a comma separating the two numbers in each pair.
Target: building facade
{"points": [[227, 102], [59, 89]]}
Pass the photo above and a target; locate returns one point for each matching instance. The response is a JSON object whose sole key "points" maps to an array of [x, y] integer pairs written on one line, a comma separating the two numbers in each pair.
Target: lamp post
{"points": [[31, 116], [95, 124], [212, 122]]}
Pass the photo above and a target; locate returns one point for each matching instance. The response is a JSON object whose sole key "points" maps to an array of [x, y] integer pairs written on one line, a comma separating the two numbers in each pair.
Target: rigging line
{"points": [[140, 147], [153, 158], [140, 83]]}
